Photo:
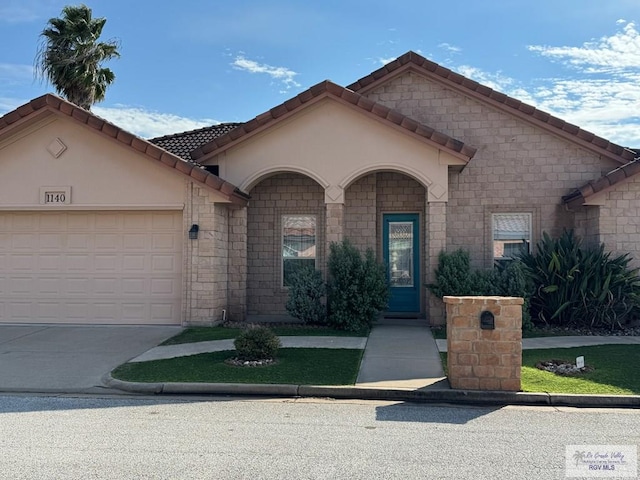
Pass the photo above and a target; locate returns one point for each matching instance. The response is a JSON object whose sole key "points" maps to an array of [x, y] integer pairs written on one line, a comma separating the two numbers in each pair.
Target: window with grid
{"points": [[511, 235], [298, 244]]}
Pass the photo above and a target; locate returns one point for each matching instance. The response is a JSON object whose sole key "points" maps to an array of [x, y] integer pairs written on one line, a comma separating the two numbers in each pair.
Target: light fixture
{"points": [[193, 232]]}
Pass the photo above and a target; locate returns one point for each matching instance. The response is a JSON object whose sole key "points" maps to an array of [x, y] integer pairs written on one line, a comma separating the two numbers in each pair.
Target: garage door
{"points": [[90, 267]]}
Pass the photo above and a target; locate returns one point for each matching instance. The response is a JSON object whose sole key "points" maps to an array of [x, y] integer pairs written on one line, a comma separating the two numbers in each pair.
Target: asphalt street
{"points": [[44, 437]]}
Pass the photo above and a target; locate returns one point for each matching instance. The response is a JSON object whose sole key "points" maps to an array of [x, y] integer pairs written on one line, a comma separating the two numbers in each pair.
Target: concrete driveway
{"points": [[69, 358]]}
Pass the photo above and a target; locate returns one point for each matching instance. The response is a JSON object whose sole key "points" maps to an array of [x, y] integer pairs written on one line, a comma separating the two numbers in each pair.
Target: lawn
{"points": [[297, 366], [615, 370], [205, 334]]}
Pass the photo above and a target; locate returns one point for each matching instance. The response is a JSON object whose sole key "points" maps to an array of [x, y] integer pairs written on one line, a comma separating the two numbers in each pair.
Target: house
{"points": [[99, 226]]}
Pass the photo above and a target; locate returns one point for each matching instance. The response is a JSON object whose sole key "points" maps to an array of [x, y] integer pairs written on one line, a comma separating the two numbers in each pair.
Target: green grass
{"points": [[297, 366], [205, 334], [615, 370]]}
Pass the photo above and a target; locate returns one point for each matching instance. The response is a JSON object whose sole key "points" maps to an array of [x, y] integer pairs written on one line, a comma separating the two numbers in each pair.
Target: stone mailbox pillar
{"points": [[484, 342]]}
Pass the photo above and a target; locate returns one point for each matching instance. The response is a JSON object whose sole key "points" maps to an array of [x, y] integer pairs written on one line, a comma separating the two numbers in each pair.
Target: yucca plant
{"points": [[581, 287]]}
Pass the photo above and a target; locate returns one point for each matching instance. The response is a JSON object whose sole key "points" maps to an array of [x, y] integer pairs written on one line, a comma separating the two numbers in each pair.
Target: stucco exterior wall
{"points": [[334, 144], [272, 198], [101, 172], [518, 167]]}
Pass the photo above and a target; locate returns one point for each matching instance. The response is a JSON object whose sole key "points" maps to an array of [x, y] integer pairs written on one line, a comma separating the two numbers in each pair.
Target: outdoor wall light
{"points": [[193, 232]]}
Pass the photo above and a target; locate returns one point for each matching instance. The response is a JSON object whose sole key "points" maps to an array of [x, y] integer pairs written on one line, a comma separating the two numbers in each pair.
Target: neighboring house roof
{"points": [[330, 89], [51, 103], [582, 194], [411, 61], [182, 144]]}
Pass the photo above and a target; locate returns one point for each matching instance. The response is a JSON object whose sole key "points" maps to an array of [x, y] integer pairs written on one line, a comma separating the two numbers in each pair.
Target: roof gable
{"points": [[411, 61], [329, 89], [51, 104]]}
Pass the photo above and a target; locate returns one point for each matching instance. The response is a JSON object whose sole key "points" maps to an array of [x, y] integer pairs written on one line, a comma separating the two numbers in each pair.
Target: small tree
{"points": [[358, 289], [306, 296]]}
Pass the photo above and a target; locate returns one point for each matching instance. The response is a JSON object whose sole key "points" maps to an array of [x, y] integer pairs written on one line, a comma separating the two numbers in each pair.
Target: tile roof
{"points": [[460, 83], [183, 143], [330, 89], [53, 103], [581, 195]]}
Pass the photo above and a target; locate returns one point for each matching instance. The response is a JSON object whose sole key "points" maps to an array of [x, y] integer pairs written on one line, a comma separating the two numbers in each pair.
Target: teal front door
{"points": [[401, 248]]}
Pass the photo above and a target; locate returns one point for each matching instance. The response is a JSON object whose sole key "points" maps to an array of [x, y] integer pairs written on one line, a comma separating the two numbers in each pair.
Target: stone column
{"points": [[237, 273], [334, 228], [484, 359], [436, 241]]}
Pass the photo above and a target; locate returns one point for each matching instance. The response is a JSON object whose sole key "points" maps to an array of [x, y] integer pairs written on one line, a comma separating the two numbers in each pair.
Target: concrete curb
{"points": [[464, 397]]}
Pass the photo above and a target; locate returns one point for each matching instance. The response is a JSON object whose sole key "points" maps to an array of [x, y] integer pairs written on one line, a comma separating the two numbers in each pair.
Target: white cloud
{"points": [[147, 123], [450, 48], [283, 75], [384, 61], [611, 54]]}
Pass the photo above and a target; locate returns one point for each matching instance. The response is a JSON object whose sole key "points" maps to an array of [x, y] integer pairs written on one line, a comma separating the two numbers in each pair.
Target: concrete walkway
{"points": [[401, 354]]}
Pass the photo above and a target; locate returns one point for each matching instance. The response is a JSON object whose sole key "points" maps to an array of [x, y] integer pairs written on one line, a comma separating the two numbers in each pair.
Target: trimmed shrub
{"points": [[306, 293], [455, 277], [256, 343], [358, 289], [581, 287]]}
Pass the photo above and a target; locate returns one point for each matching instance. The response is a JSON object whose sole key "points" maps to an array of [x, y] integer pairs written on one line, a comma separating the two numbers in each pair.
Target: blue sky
{"points": [[192, 63]]}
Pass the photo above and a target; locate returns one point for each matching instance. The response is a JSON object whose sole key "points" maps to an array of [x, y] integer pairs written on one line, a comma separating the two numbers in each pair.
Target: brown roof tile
{"points": [[416, 62], [56, 104], [331, 89], [182, 144], [581, 195]]}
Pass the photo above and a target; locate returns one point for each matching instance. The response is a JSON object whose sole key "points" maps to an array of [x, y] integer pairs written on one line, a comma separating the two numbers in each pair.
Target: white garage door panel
{"points": [[91, 267]]}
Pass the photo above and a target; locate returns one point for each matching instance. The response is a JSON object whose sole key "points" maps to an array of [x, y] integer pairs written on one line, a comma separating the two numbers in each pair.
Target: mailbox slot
{"points": [[487, 321]]}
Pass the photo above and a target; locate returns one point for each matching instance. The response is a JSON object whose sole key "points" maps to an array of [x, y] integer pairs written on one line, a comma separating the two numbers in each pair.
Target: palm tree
{"points": [[70, 56]]}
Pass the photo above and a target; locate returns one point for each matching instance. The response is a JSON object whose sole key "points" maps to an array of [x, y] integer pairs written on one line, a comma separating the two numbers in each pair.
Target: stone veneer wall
{"points": [[619, 219], [484, 359], [205, 259], [283, 194], [360, 215], [518, 167]]}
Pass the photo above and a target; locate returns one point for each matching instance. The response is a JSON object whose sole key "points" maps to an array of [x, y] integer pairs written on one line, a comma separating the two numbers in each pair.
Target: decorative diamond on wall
{"points": [[437, 190], [56, 148]]}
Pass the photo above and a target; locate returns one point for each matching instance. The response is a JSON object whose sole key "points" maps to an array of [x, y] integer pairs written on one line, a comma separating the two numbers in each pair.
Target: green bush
{"points": [[511, 279], [455, 277], [358, 289], [581, 287], [306, 293], [256, 343]]}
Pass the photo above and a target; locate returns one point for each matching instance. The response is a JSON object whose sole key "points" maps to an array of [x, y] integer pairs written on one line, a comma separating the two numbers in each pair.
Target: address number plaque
{"points": [[55, 195]]}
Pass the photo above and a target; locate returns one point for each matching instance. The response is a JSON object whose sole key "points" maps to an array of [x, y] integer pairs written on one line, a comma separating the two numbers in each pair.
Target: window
{"points": [[298, 244], [511, 234]]}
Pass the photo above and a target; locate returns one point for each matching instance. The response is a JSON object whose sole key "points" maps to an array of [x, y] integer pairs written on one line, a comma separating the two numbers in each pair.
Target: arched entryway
{"points": [[285, 229], [386, 211]]}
